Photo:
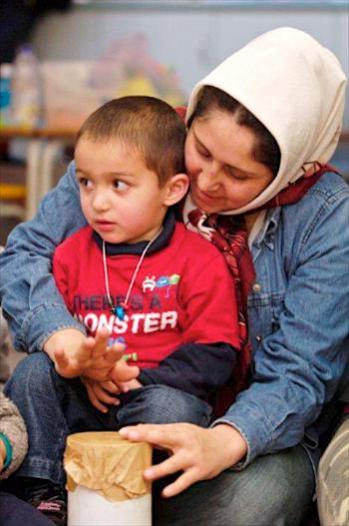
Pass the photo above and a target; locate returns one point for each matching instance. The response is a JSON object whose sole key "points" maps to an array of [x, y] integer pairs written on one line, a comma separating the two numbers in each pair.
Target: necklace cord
{"points": [[105, 271], [134, 275]]}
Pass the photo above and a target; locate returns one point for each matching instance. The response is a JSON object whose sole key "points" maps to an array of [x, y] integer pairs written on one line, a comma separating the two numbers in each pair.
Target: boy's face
{"points": [[120, 197]]}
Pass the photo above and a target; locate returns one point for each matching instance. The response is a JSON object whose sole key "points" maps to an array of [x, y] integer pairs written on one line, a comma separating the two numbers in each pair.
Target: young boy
{"points": [[137, 272], [133, 270]]}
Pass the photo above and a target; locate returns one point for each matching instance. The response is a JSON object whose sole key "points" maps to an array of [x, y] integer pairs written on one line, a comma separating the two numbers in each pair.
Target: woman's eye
{"points": [[203, 153], [240, 177], [120, 185], [235, 175]]}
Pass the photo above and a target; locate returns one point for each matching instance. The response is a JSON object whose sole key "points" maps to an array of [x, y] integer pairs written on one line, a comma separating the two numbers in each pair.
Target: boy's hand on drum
{"points": [[198, 453]]}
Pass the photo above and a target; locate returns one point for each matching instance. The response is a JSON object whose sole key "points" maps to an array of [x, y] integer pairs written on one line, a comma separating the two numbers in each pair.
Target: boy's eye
{"points": [[84, 182], [120, 185]]}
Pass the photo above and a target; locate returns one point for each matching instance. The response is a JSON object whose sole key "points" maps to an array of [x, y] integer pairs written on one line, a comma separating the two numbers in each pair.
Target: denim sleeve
{"points": [[29, 297], [298, 367]]}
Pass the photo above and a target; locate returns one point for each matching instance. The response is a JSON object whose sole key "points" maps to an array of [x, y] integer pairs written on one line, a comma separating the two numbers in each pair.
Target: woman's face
{"points": [[223, 174]]}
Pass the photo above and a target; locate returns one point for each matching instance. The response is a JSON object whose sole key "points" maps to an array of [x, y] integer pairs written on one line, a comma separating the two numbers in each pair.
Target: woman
{"points": [[239, 162]]}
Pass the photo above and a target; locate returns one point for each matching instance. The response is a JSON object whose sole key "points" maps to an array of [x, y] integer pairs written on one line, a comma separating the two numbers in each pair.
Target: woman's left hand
{"points": [[201, 454]]}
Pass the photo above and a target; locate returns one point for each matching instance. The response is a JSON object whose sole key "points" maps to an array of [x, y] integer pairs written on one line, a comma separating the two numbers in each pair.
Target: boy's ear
{"points": [[176, 188]]}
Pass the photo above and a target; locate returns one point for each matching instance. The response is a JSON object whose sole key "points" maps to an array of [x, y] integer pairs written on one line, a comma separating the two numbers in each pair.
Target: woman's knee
{"points": [[333, 479], [275, 490]]}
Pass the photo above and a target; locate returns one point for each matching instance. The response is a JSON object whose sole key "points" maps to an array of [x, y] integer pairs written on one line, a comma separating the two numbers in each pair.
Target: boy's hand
{"points": [[124, 387], [75, 354], [122, 373], [69, 351], [100, 393], [103, 357], [122, 378]]}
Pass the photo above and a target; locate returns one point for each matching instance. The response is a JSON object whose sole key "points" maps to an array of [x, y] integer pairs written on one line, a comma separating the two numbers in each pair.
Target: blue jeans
{"points": [[274, 490], [54, 407]]}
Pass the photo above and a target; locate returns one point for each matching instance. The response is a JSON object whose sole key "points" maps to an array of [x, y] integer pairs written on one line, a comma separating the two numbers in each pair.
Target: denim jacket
{"points": [[298, 309]]}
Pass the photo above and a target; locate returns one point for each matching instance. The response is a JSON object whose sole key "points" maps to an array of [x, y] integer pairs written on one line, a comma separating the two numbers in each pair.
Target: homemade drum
{"points": [[105, 480]]}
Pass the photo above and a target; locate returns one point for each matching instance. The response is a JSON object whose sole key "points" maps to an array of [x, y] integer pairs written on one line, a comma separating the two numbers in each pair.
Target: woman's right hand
{"points": [[200, 454]]}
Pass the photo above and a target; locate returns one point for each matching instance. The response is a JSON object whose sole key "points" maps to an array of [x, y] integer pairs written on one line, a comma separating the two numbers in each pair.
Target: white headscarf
{"points": [[295, 87]]}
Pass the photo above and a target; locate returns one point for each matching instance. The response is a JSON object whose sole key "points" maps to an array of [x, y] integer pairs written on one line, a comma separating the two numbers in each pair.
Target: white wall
{"points": [[192, 41]]}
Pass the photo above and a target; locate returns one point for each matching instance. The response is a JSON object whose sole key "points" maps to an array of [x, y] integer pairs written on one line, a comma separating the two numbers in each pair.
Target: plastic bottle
{"points": [[27, 90], [5, 95]]}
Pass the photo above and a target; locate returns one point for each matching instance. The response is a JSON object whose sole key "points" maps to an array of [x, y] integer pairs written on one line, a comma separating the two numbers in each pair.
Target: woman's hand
{"points": [[200, 453]]}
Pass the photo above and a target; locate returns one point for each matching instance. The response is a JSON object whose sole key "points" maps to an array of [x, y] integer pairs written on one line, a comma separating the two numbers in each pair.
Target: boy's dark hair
{"points": [[266, 149], [148, 124]]}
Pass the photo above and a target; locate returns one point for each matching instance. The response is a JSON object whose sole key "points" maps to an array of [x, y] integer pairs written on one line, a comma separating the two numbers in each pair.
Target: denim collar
{"points": [[116, 249], [267, 233]]}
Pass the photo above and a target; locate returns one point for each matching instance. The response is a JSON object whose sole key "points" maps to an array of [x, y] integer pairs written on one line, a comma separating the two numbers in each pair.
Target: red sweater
{"points": [[182, 304]]}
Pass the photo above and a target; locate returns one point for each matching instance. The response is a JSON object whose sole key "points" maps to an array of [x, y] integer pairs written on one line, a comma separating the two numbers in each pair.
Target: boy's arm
{"points": [[30, 300], [197, 369], [205, 361]]}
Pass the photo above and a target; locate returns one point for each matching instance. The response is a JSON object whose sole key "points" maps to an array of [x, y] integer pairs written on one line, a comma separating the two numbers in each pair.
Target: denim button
{"points": [[256, 287], [259, 338]]}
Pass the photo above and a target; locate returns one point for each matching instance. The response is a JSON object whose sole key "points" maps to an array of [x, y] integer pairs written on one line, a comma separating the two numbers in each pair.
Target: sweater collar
{"points": [[116, 249]]}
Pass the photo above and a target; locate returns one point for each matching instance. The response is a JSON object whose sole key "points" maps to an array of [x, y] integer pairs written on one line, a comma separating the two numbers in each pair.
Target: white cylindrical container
{"points": [[88, 508], [105, 480], [27, 90]]}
